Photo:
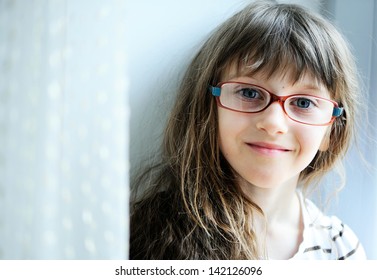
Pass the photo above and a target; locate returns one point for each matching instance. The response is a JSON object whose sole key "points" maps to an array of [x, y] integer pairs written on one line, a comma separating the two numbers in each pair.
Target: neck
{"points": [[277, 203], [280, 229]]}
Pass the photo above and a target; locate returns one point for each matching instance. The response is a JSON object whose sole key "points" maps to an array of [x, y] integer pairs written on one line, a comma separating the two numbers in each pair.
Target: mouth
{"points": [[268, 148]]}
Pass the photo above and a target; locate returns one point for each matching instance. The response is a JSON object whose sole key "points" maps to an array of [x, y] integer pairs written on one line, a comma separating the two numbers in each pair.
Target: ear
{"points": [[325, 141]]}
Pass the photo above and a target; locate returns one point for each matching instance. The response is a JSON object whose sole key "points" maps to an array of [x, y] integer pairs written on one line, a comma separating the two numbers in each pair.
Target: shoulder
{"points": [[327, 237]]}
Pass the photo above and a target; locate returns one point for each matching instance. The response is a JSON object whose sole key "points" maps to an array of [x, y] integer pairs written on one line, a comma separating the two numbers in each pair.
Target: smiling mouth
{"points": [[268, 149]]}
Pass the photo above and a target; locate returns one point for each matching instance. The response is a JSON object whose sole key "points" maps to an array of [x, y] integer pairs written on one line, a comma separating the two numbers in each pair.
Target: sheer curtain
{"points": [[63, 130]]}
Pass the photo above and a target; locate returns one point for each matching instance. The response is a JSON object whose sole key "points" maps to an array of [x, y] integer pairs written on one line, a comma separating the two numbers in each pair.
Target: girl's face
{"points": [[268, 149]]}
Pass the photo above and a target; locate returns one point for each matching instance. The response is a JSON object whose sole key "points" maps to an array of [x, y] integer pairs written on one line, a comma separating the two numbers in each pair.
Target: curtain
{"points": [[63, 130]]}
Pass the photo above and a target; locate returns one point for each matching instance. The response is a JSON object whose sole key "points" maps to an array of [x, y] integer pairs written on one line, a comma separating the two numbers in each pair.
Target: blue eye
{"points": [[303, 103], [250, 93]]}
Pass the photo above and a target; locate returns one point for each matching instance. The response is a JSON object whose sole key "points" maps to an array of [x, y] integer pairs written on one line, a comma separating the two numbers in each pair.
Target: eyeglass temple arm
{"points": [[215, 90], [337, 112]]}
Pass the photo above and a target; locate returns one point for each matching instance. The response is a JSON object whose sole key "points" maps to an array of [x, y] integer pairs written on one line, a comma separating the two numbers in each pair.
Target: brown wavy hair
{"points": [[192, 207]]}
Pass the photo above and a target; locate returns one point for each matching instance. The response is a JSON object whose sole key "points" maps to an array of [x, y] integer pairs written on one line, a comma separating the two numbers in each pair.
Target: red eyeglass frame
{"points": [[216, 91]]}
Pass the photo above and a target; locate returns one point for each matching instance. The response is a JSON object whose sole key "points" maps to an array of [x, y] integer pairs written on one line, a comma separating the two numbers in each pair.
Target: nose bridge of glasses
{"points": [[276, 98]]}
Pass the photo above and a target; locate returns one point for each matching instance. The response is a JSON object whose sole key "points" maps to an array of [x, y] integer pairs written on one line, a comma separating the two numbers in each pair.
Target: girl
{"points": [[265, 109]]}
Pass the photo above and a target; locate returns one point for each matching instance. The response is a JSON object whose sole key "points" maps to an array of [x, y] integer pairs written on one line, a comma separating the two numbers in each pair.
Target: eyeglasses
{"points": [[302, 108]]}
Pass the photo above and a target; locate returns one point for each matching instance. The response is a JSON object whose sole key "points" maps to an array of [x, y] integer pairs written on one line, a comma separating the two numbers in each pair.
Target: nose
{"points": [[273, 119]]}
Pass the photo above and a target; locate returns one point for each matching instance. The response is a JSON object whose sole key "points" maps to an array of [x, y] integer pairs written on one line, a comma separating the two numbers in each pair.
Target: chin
{"points": [[267, 182], [260, 183]]}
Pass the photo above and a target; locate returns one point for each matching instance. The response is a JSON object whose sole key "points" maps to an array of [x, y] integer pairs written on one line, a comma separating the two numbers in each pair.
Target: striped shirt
{"points": [[326, 237]]}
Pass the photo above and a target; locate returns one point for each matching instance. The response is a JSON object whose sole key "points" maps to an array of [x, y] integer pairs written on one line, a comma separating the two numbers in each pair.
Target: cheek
{"points": [[311, 139], [225, 131], [232, 125]]}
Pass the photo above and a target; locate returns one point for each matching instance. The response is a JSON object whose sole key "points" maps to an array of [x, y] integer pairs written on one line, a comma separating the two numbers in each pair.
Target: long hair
{"points": [[193, 207]]}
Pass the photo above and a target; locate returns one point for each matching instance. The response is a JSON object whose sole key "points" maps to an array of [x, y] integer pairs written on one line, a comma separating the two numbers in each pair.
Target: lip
{"points": [[268, 148]]}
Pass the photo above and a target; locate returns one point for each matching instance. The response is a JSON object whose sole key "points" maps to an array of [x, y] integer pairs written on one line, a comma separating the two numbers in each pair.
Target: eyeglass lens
{"points": [[249, 98]]}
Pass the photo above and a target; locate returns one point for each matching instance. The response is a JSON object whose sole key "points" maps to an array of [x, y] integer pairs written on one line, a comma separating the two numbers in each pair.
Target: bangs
{"points": [[284, 43], [282, 66]]}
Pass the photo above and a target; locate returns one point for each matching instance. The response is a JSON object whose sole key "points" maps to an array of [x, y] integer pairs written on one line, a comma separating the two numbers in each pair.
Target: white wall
{"points": [[357, 202], [165, 34]]}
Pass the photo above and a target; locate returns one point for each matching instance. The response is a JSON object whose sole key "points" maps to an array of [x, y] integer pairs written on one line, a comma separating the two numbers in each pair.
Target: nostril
{"points": [[273, 120]]}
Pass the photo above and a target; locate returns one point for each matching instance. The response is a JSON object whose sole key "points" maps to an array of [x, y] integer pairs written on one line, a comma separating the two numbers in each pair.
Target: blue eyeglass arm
{"points": [[215, 90], [337, 112]]}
